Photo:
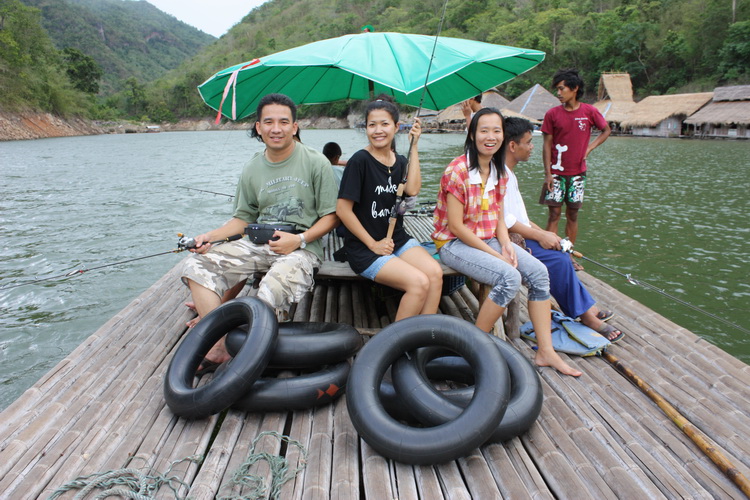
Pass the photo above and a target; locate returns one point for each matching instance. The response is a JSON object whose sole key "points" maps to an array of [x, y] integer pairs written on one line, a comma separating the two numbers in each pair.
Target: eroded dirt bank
{"points": [[22, 126]]}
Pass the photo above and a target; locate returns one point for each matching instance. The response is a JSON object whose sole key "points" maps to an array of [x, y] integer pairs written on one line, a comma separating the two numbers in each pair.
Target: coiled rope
{"points": [[144, 484]]}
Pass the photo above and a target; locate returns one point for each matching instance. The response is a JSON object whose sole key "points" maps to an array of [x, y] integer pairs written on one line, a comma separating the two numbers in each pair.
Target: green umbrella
{"points": [[361, 65]]}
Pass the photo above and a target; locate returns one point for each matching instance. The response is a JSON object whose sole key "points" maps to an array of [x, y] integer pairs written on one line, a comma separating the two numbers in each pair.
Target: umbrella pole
{"points": [[400, 190]]}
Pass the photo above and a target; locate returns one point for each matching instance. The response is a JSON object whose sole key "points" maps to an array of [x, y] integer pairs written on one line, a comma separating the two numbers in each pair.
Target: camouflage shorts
{"points": [[287, 279]]}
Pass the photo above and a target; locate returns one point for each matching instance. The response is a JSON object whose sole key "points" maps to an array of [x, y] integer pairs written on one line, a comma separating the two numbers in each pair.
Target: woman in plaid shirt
{"points": [[472, 238]]}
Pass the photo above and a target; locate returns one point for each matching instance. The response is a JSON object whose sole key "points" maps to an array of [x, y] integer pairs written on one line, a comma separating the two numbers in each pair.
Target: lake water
{"points": [[672, 213]]}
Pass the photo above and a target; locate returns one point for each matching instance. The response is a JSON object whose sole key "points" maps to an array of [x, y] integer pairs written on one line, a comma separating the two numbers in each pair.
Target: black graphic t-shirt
{"points": [[368, 184]]}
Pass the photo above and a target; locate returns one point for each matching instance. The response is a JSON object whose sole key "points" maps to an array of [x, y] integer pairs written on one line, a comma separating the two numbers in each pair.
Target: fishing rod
{"points": [[184, 243], [400, 190], [567, 247], [687, 427], [206, 191]]}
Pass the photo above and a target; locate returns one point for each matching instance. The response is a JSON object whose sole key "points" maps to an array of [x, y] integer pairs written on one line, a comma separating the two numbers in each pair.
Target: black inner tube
{"points": [[444, 442], [433, 407], [306, 344], [296, 393], [239, 374]]}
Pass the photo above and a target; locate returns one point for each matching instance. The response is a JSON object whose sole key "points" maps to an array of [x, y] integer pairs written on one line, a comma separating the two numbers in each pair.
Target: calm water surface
{"points": [[670, 212]]}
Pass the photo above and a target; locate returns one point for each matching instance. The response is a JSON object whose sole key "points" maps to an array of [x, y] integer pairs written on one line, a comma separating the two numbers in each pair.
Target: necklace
{"points": [[383, 161]]}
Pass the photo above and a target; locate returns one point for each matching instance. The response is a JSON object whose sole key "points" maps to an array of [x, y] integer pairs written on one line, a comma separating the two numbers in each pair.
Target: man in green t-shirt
{"points": [[288, 183]]}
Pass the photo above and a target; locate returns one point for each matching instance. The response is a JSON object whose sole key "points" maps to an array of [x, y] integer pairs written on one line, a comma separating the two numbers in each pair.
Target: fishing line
{"points": [[649, 286], [183, 244]]}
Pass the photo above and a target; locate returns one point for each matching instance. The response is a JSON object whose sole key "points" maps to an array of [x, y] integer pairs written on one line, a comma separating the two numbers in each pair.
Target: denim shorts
{"points": [[376, 266]]}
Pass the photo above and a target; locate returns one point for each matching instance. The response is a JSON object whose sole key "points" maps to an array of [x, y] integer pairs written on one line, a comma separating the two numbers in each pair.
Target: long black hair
{"points": [[470, 146]]}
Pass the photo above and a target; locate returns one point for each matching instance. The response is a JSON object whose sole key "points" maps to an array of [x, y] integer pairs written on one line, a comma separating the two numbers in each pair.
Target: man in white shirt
{"points": [[570, 294]]}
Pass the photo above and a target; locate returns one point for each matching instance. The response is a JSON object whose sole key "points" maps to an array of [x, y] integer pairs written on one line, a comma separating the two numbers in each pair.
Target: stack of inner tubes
{"points": [[503, 402], [259, 345]]}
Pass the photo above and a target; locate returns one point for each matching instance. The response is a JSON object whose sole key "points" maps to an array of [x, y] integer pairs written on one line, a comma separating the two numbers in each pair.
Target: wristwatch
{"points": [[302, 242]]}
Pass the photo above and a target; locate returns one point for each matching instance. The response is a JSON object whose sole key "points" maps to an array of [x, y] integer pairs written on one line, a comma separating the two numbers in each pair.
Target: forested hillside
{"points": [[66, 56], [666, 45], [126, 38]]}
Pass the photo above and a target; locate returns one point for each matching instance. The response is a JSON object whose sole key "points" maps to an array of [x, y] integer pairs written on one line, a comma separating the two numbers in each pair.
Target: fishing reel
{"points": [[566, 245], [185, 243]]}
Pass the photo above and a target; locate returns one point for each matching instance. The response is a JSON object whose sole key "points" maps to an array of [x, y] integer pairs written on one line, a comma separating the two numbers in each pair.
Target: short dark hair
{"points": [[331, 150], [516, 128], [470, 146], [571, 78], [267, 99], [478, 98]]}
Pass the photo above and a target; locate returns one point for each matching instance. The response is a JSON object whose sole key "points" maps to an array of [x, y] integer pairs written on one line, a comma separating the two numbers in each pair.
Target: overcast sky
{"points": [[214, 17]]}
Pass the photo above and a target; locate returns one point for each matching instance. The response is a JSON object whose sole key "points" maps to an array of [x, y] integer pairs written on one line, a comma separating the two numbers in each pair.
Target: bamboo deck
{"points": [[597, 437]]}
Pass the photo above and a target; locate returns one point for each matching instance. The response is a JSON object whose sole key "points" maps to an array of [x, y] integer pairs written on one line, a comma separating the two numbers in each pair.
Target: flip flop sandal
{"points": [[605, 315], [607, 330]]}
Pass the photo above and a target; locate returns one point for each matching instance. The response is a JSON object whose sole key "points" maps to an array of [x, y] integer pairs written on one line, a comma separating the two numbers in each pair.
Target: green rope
{"points": [[136, 484], [280, 472], [144, 483]]}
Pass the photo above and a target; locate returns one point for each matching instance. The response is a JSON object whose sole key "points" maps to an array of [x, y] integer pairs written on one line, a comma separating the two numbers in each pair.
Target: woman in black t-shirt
{"points": [[366, 197]]}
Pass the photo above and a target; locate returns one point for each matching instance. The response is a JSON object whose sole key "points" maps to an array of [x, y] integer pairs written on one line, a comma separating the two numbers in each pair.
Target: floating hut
{"points": [[454, 114], [615, 97], [533, 103], [101, 411], [664, 115], [727, 115]]}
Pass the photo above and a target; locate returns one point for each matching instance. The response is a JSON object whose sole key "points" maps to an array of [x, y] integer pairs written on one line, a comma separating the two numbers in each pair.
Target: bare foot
{"points": [[219, 353], [193, 322], [555, 361], [190, 305]]}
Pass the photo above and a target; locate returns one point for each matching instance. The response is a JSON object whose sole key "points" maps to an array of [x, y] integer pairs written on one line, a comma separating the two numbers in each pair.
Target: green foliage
{"points": [[32, 75], [83, 71], [735, 54], [666, 45], [125, 38]]}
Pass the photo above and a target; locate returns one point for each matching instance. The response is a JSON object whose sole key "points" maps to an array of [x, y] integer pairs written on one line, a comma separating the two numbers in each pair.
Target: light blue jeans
{"points": [[504, 278]]}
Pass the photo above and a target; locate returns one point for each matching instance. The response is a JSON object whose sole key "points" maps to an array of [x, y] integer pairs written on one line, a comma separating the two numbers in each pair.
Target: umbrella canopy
{"points": [[361, 65]]}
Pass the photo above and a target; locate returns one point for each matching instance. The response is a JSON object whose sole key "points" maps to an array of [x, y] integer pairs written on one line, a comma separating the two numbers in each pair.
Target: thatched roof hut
{"points": [[730, 106], [490, 98], [493, 99], [534, 103], [655, 109], [615, 96], [615, 111], [615, 87]]}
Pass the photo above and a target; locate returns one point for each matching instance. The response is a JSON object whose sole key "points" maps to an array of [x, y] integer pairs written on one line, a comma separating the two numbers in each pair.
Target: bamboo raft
{"points": [[102, 408]]}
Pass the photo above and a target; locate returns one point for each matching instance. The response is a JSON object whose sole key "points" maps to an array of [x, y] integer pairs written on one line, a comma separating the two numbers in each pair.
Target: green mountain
{"points": [[126, 38], [667, 46]]}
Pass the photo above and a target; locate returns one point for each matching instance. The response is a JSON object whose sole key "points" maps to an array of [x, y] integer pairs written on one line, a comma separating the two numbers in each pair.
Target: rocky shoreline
{"points": [[28, 125], [25, 126]]}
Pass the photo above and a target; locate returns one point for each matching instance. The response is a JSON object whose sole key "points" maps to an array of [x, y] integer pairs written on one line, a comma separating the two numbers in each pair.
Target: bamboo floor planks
{"points": [[102, 408]]}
